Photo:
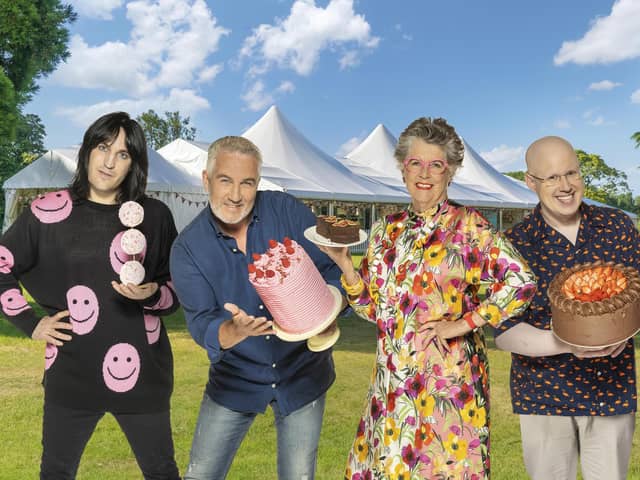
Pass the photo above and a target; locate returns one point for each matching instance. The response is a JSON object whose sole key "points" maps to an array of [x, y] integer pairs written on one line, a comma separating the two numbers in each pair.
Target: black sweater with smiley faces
{"points": [[64, 254]]}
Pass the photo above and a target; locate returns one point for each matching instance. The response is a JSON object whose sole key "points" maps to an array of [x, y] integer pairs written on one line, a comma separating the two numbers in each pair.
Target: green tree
{"points": [[33, 41], [636, 138], [161, 131], [518, 175], [602, 182]]}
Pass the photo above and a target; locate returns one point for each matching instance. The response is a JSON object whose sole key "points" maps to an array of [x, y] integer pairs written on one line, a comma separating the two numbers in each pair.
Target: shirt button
{"points": [[267, 337], [602, 404], [273, 365], [261, 307], [234, 250], [273, 385]]}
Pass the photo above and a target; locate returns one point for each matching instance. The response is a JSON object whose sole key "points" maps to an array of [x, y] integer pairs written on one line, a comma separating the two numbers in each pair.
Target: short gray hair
{"points": [[232, 144], [435, 132]]}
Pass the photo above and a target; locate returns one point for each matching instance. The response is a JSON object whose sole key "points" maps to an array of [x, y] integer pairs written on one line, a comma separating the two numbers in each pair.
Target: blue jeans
{"points": [[220, 431]]}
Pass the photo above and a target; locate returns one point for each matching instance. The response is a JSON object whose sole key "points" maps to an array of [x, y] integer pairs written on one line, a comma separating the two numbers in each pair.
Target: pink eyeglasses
{"points": [[417, 165]]}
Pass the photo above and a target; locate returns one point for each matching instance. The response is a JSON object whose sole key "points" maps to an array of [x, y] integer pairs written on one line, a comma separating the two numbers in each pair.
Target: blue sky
{"points": [[503, 72]]}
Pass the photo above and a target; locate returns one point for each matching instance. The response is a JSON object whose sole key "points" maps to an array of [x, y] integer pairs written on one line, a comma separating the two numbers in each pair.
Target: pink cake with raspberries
{"points": [[292, 288]]}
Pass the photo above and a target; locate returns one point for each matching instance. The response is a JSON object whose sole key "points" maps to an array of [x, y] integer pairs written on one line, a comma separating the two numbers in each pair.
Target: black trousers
{"points": [[66, 431]]}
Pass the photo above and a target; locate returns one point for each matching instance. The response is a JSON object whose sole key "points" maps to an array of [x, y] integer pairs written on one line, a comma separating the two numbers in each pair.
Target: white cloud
{"points": [[405, 36], [209, 73], [348, 146], [286, 87], [604, 85], [185, 101], [169, 44], [504, 157], [95, 67], [562, 124], [635, 96], [596, 120], [96, 8], [349, 59], [256, 98], [610, 39], [297, 41]]}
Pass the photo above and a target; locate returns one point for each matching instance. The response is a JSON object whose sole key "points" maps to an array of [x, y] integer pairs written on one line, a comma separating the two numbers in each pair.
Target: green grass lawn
{"points": [[108, 455]]}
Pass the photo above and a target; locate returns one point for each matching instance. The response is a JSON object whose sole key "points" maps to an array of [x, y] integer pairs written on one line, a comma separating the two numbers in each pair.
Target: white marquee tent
{"points": [[55, 169], [373, 158], [292, 163], [476, 183], [285, 148], [476, 172], [192, 157]]}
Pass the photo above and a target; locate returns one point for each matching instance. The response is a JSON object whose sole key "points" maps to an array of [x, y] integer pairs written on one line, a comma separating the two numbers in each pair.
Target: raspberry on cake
{"points": [[292, 288]]}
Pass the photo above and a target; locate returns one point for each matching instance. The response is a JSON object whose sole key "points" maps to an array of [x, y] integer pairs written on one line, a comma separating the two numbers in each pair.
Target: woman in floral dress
{"points": [[433, 275]]}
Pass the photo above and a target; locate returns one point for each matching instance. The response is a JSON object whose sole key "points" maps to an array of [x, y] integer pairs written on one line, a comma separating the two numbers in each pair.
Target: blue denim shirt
{"points": [[565, 384], [208, 270]]}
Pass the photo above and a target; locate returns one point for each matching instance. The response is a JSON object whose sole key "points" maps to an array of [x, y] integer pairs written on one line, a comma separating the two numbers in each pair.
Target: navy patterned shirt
{"points": [[565, 384]]}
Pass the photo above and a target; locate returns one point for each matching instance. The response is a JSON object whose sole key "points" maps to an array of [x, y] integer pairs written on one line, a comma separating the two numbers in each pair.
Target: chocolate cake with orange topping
{"points": [[595, 304]]}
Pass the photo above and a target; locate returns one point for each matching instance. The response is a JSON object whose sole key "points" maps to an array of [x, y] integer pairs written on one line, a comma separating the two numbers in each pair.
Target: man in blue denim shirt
{"points": [[250, 367]]}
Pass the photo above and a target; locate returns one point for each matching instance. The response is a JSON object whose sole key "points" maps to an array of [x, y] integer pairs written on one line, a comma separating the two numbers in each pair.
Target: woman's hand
{"points": [[340, 256], [439, 331], [135, 292], [48, 329]]}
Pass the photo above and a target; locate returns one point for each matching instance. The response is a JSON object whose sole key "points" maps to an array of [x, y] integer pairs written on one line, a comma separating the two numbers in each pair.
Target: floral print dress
{"points": [[427, 410]]}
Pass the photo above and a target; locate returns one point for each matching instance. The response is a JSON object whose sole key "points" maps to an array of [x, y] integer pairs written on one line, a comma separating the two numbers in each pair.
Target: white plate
{"points": [[297, 337], [320, 342], [313, 236]]}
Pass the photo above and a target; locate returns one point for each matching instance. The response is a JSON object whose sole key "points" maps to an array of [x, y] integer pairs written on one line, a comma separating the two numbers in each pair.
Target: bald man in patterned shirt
{"points": [[574, 404]]}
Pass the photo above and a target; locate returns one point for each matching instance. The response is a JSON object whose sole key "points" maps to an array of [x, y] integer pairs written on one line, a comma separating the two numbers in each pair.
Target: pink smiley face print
{"points": [[117, 255], [6, 259], [121, 367], [152, 327], [13, 303], [52, 207], [50, 355], [165, 300], [83, 307]]}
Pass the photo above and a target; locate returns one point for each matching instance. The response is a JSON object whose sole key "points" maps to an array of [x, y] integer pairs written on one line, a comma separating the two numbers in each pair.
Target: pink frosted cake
{"points": [[292, 288]]}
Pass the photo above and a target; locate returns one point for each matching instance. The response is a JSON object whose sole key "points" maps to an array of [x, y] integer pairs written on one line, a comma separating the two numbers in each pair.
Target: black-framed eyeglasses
{"points": [[572, 176]]}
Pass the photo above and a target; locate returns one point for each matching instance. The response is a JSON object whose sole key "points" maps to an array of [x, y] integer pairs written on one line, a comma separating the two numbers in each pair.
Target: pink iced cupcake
{"points": [[131, 214], [132, 272], [133, 242]]}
